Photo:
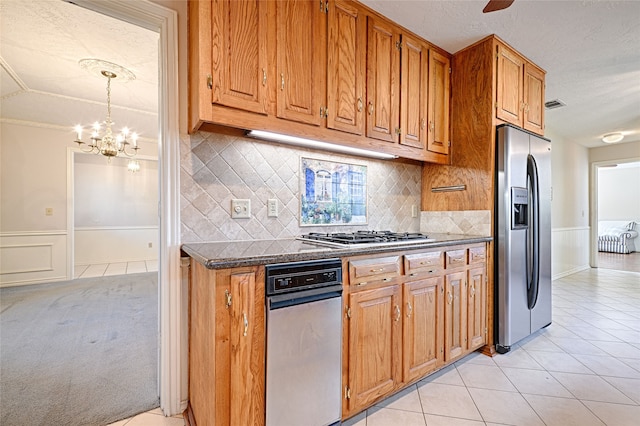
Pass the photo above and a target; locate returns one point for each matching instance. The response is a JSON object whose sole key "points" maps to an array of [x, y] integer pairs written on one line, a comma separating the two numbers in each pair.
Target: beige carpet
{"points": [[82, 352]]}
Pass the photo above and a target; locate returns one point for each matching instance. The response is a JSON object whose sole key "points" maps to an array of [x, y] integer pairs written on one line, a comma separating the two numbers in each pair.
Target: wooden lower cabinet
{"points": [[423, 346], [227, 346], [409, 314], [374, 345], [477, 307], [455, 322]]}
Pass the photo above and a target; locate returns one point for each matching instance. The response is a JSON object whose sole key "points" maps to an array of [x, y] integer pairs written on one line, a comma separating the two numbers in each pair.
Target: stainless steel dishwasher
{"points": [[304, 343]]}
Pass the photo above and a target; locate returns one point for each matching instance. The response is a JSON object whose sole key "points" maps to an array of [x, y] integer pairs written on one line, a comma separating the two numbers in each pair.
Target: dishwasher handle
{"points": [[298, 298]]}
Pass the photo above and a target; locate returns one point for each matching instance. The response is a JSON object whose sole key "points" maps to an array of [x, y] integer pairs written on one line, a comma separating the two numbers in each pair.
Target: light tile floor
{"points": [[584, 370], [122, 268]]}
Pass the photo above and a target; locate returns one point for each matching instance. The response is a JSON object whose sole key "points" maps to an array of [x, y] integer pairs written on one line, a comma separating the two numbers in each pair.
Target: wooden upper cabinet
{"points": [[383, 80], [346, 66], [533, 97], [519, 91], [414, 91], [439, 91], [509, 105], [239, 54], [301, 56]]}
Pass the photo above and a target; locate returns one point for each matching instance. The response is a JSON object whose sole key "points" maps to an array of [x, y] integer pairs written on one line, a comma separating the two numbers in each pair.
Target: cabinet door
{"points": [[509, 105], [239, 46], [477, 307], [383, 80], [439, 86], [301, 53], [346, 64], [239, 357], [423, 327], [455, 315], [374, 344], [533, 99], [414, 92]]}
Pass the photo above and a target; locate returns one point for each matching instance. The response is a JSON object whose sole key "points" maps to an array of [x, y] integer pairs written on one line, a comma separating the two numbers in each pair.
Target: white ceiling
{"points": [[41, 42], [590, 50]]}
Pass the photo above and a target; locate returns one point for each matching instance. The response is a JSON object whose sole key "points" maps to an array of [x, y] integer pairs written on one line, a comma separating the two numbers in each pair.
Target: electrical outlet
{"points": [[48, 211], [150, 245], [240, 209], [414, 211], [272, 207]]}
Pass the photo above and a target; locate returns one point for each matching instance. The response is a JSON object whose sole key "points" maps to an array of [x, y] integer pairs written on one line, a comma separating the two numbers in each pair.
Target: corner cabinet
{"points": [[409, 314], [226, 346], [325, 70]]}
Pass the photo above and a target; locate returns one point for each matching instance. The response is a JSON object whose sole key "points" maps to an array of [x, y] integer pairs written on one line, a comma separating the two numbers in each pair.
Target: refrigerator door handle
{"points": [[533, 254]]}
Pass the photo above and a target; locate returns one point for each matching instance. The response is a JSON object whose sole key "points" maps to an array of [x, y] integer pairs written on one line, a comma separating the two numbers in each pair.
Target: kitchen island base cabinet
{"points": [[226, 346]]}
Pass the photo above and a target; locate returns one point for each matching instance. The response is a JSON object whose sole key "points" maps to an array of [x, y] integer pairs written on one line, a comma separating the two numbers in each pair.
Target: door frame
{"points": [[593, 207], [171, 368]]}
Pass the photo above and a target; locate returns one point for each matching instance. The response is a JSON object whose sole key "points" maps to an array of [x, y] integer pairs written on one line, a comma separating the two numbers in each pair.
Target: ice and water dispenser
{"points": [[519, 208]]}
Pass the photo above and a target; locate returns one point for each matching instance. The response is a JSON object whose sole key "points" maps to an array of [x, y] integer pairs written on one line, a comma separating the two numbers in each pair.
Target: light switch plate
{"points": [[272, 207], [414, 211], [240, 209]]}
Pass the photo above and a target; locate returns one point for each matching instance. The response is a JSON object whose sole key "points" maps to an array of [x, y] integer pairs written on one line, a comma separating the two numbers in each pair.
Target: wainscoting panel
{"points": [[32, 257], [115, 244], [570, 251]]}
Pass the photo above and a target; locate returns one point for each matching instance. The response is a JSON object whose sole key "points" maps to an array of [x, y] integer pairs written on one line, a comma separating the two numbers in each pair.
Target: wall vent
{"points": [[556, 103]]}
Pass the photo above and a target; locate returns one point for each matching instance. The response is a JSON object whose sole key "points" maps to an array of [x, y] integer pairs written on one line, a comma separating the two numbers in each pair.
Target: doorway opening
{"points": [[614, 208]]}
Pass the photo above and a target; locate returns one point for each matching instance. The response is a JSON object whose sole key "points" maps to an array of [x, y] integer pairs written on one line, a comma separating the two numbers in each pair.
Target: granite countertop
{"points": [[231, 254]]}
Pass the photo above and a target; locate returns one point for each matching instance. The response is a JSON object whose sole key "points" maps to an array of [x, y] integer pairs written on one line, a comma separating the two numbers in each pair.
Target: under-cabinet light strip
{"points": [[309, 143]]}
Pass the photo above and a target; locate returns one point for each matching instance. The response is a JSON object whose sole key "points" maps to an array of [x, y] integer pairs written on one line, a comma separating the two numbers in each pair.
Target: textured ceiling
{"points": [[590, 50], [41, 82]]}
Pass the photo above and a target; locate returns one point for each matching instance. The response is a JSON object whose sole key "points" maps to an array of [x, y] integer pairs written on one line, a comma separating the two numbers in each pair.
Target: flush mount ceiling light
{"points": [[309, 143], [612, 137], [107, 144]]}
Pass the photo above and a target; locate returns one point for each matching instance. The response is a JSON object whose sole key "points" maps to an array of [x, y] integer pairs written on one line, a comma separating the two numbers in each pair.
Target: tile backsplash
{"points": [[217, 168], [470, 222]]}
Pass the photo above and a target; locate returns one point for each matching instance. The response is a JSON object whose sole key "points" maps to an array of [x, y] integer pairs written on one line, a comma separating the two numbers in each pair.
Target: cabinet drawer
{"points": [[455, 258], [421, 263], [377, 269], [477, 255]]}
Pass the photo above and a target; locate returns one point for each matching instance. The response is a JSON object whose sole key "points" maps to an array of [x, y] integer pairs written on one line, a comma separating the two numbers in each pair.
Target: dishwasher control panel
{"points": [[297, 276]]}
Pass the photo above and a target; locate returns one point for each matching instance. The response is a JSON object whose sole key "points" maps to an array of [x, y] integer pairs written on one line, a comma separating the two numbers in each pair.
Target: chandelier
{"points": [[108, 144]]}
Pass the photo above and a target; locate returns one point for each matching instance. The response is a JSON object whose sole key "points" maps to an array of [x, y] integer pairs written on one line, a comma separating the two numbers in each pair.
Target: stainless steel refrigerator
{"points": [[522, 235]]}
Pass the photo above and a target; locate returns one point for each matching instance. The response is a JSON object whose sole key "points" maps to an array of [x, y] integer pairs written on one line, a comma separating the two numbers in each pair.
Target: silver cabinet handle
{"points": [[409, 309], [246, 324]]}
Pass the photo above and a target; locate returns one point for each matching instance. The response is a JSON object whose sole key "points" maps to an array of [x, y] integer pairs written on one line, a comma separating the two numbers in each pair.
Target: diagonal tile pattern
{"points": [[584, 369], [216, 168]]}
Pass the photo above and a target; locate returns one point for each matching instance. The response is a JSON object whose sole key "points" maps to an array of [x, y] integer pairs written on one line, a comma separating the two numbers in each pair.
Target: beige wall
{"points": [[615, 152], [570, 180]]}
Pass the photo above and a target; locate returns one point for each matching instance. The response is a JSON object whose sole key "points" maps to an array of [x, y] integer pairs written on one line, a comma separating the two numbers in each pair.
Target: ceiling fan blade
{"points": [[494, 5]]}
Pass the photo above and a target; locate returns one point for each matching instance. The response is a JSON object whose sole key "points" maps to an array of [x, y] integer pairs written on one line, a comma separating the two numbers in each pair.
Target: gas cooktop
{"points": [[365, 238]]}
